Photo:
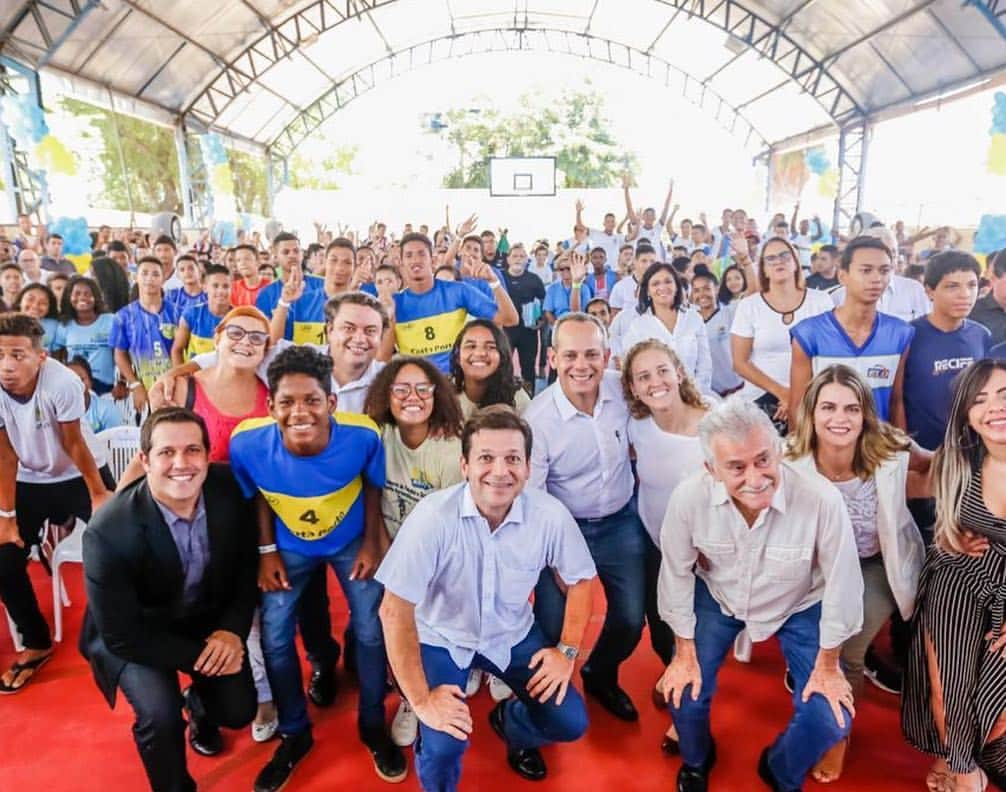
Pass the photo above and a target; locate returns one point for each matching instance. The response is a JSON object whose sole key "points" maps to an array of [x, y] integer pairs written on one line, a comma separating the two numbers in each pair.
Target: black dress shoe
{"points": [[389, 761], [612, 698], [669, 746], [324, 686], [528, 763], [696, 779], [765, 772], [204, 735], [292, 748]]}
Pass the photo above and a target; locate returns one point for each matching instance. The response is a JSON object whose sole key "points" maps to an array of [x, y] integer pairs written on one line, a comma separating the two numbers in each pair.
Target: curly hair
{"points": [[687, 389], [300, 360], [67, 312], [445, 420], [502, 384]]}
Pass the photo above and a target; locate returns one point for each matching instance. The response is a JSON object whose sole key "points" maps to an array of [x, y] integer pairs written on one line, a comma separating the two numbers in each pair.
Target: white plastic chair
{"points": [[70, 549], [122, 443], [15, 636]]}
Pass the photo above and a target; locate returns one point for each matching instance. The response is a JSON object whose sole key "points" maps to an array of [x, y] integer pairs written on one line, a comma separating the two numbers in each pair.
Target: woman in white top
{"points": [[482, 369], [664, 316], [666, 408], [759, 337], [420, 420], [836, 434]]}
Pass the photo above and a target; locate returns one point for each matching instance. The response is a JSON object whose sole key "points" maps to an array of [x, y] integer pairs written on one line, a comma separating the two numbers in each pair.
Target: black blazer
{"points": [[134, 580]]}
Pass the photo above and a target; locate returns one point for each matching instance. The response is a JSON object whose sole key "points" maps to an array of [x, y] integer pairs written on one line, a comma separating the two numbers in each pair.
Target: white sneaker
{"points": [[405, 726], [498, 689], [263, 732], [474, 683]]}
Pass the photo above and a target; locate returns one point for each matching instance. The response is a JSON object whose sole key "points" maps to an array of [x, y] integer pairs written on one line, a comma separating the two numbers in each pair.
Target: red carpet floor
{"points": [[59, 735]]}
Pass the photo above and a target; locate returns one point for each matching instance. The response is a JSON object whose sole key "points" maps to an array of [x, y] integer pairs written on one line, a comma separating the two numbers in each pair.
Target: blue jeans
{"points": [[811, 731], [279, 624], [617, 544], [526, 722]]}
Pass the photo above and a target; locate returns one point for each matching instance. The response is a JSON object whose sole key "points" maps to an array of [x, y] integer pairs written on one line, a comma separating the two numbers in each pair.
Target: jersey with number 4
{"points": [[317, 500], [427, 324]]}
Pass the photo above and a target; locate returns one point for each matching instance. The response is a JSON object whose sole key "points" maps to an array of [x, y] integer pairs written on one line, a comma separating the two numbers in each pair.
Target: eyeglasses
{"points": [[562, 269], [424, 390], [781, 257], [255, 337]]}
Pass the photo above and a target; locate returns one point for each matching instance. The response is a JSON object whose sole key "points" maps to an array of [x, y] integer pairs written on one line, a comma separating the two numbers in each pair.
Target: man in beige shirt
{"points": [[751, 543]]}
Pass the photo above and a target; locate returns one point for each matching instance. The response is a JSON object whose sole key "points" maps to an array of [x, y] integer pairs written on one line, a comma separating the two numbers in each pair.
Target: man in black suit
{"points": [[170, 568]]}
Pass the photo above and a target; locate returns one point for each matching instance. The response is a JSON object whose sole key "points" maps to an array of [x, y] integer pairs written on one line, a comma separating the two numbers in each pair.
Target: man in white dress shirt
{"points": [[457, 582], [751, 543], [581, 456]]}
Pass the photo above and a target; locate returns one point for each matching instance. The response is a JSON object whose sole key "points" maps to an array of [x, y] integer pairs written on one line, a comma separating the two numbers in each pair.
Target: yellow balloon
{"points": [[997, 155], [221, 180], [827, 184], [82, 261], [55, 157]]}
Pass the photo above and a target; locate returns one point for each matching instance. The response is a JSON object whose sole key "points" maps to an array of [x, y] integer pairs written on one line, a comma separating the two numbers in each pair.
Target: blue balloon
{"points": [[212, 147], [76, 237], [991, 234], [225, 233], [817, 161], [999, 115]]}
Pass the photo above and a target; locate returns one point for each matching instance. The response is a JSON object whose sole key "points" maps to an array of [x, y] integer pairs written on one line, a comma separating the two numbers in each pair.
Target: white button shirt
{"points": [[799, 551], [470, 585], [581, 459], [903, 297]]}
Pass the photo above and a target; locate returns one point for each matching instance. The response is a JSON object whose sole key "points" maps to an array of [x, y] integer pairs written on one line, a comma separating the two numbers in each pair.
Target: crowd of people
{"points": [[776, 435]]}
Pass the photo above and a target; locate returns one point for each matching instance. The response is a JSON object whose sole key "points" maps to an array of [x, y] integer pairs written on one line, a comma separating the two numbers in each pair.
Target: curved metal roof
{"points": [[270, 71]]}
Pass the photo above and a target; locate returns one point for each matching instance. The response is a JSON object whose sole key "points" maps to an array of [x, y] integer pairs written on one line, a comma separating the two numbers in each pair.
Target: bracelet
{"points": [[133, 385], [281, 303], [266, 549], [495, 284], [8, 514], [577, 284]]}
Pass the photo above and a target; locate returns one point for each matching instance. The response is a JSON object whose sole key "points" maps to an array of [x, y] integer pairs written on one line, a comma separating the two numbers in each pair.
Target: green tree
{"points": [[320, 161], [251, 191], [573, 129], [151, 164]]}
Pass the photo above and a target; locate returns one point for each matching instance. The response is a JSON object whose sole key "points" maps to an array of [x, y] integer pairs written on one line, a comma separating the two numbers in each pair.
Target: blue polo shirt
{"points": [[269, 296], [557, 297], [934, 361], [317, 500], [823, 339], [202, 326]]}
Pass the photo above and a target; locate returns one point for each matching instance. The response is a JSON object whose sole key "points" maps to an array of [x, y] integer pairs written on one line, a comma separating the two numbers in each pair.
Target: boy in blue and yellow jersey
{"points": [[194, 335], [286, 252], [429, 313], [316, 478], [299, 315]]}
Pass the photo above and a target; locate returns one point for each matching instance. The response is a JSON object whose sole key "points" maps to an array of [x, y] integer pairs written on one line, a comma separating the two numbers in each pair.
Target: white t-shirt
{"points": [[771, 350], [652, 235], [32, 426], [689, 341], [546, 273], [413, 473], [619, 327], [662, 461], [623, 294], [903, 297], [610, 242], [803, 245], [520, 401]]}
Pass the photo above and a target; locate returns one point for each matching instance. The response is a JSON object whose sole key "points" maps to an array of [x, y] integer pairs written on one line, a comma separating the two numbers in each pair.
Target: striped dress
{"points": [[960, 599]]}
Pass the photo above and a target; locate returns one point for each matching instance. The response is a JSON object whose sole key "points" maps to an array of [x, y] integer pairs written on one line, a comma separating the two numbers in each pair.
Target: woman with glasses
{"points": [[420, 420], [759, 336], [664, 316]]}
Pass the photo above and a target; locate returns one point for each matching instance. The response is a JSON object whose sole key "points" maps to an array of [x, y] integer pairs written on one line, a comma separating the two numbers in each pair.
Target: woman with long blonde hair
{"points": [[838, 436], [954, 701], [666, 407]]}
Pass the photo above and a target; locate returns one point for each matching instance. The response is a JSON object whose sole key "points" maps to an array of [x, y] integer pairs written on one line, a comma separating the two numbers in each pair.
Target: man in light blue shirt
{"points": [[457, 583]]}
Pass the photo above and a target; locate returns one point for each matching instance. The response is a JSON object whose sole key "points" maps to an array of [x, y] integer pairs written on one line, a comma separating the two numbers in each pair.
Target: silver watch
{"points": [[569, 651]]}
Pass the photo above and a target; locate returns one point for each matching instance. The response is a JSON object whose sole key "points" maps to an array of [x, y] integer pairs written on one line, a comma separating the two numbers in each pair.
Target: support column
{"points": [[853, 141], [184, 175]]}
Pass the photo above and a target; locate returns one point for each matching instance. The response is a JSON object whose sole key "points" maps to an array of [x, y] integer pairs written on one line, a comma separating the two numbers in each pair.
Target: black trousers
{"points": [[159, 729], [661, 635], [34, 504], [525, 341]]}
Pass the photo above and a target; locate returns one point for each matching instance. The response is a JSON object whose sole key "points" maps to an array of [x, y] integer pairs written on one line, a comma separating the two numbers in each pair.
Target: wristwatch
{"points": [[569, 651]]}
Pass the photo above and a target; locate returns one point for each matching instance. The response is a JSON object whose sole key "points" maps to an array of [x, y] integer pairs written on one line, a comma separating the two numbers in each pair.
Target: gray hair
{"points": [[737, 419], [582, 318]]}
